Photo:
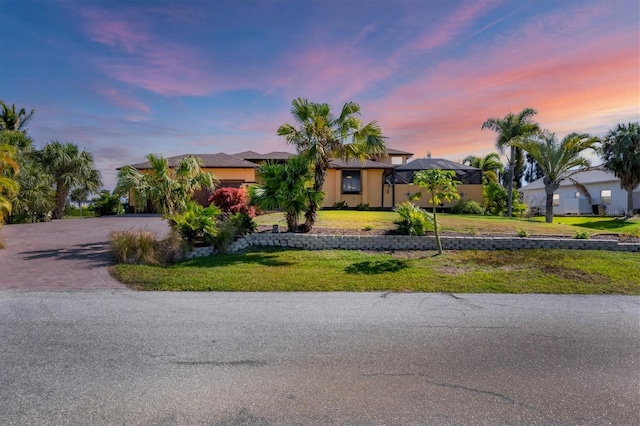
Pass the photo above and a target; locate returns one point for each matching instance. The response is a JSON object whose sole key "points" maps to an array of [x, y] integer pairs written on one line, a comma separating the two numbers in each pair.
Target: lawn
{"points": [[472, 225], [525, 271]]}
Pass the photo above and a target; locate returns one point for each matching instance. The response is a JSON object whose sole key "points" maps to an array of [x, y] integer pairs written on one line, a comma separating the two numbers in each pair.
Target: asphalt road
{"points": [[122, 357]]}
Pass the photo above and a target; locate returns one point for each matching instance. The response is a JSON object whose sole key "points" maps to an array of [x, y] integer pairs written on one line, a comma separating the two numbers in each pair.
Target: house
{"points": [[381, 182], [604, 195]]}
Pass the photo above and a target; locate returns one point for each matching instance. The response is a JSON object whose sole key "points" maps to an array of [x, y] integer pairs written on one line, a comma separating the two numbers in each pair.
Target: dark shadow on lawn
{"points": [[94, 254], [268, 257], [605, 225], [376, 267]]}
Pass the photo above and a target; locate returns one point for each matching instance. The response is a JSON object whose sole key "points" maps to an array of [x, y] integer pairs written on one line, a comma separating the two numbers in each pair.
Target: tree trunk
{"points": [[510, 183], [292, 221], [311, 214], [435, 226], [630, 202], [548, 213], [62, 193]]}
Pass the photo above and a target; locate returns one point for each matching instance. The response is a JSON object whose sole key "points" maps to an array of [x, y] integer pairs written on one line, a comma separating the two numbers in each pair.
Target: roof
{"points": [[434, 163], [276, 155], [219, 161], [357, 164], [392, 151], [585, 177]]}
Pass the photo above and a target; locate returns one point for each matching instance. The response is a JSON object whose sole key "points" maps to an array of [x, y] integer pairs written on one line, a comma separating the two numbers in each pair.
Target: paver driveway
{"points": [[65, 254]]}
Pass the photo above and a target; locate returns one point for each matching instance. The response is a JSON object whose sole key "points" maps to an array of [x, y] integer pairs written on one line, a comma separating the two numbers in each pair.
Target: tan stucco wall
{"points": [[248, 175], [470, 192], [371, 189]]}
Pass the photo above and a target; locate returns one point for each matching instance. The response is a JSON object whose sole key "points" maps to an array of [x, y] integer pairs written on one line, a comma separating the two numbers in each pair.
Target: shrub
{"points": [[362, 206], [340, 205], [368, 227], [196, 224], [413, 220], [523, 233], [581, 235], [243, 224], [139, 247], [232, 200], [468, 207], [106, 204]]}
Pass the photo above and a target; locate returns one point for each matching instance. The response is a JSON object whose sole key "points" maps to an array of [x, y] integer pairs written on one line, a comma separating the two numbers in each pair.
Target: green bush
{"points": [[340, 205], [368, 227], [413, 220], [106, 204], [362, 207], [523, 233], [468, 207], [197, 224], [243, 224], [581, 235]]}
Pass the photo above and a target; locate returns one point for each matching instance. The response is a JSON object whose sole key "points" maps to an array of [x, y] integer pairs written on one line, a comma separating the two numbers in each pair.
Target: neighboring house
{"points": [[380, 183], [604, 195]]}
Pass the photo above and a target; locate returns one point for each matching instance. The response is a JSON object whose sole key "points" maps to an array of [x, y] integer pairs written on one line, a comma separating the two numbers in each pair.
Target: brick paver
{"points": [[70, 254]]}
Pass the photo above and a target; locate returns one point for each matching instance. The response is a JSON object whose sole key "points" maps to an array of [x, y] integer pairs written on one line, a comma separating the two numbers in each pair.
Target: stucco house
{"points": [[377, 182], [605, 195]]}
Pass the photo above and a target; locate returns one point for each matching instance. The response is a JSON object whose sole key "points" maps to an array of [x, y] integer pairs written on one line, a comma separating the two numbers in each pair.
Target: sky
{"points": [[122, 79]]}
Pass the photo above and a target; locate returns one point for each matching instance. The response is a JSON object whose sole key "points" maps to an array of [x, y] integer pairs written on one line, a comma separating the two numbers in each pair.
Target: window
{"points": [[395, 160], [351, 182], [556, 199], [605, 197], [577, 194]]}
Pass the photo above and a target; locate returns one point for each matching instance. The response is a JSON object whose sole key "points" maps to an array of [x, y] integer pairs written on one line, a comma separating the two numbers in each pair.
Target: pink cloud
{"points": [[453, 26], [587, 85], [125, 101], [113, 30]]}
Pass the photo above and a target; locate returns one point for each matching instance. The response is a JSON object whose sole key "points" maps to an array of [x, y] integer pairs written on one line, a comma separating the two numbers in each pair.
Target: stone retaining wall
{"points": [[406, 242]]}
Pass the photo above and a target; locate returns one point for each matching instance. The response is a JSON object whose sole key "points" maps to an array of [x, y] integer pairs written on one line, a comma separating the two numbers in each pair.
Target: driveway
{"points": [[68, 254]]}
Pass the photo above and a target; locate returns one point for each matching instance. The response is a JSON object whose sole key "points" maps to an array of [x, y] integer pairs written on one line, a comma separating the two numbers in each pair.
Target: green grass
{"points": [[601, 224], [525, 271], [468, 224]]}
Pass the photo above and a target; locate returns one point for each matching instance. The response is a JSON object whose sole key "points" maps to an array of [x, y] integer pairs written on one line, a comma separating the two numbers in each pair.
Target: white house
{"points": [[604, 189]]}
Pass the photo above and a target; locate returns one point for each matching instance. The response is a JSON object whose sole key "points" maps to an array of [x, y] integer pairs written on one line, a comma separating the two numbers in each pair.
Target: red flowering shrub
{"points": [[232, 200]]}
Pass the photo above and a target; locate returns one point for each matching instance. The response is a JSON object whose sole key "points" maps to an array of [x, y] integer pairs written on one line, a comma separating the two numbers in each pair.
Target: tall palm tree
{"points": [[8, 185], [557, 161], [68, 167], [620, 152], [286, 186], [509, 128], [168, 188], [13, 120], [321, 136], [489, 164]]}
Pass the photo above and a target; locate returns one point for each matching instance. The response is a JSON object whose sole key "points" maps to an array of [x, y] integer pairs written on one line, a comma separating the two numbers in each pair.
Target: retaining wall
{"points": [[406, 242]]}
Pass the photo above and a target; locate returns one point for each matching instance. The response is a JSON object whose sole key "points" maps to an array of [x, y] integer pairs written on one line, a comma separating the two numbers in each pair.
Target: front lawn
{"points": [[466, 224], [524, 271]]}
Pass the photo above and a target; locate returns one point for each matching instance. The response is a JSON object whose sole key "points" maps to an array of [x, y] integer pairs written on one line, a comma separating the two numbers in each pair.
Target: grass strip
{"points": [[523, 271]]}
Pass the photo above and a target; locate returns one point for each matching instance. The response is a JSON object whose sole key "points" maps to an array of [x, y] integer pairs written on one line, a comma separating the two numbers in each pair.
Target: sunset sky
{"points": [[127, 78]]}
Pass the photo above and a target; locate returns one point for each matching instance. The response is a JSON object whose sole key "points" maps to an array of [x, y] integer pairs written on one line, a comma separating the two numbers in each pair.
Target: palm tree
{"points": [[322, 136], [557, 161], [286, 186], [35, 200], [13, 120], [169, 189], [8, 186], [620, 152], [509, 128], [489, 164], [68, 167]]}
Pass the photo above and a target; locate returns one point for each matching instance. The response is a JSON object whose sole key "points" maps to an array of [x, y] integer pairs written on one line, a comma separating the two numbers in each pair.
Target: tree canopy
{"points": [[321, 136], [620, 151]]}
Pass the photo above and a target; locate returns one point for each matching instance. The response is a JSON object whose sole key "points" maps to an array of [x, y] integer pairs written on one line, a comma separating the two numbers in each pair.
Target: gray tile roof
{"points": [[219, 160]]}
